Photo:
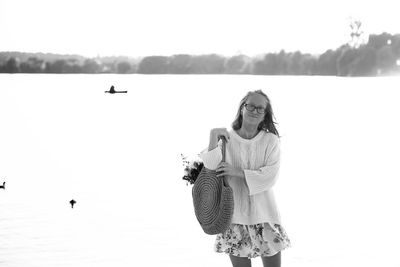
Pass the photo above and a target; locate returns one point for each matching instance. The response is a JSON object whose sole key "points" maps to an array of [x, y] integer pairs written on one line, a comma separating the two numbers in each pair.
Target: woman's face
{"points": [[253, 110]]}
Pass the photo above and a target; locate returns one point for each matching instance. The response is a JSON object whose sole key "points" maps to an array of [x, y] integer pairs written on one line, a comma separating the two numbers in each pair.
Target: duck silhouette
{"points": [[112, 91], [72, 202], [3, 186]]}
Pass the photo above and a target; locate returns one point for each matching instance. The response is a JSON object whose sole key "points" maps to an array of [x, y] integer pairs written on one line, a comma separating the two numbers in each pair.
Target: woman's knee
{"points": [[240, 261]]}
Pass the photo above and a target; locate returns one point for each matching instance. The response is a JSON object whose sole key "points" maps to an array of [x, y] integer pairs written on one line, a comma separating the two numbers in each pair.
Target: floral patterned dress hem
{"points": [[263, 239]]}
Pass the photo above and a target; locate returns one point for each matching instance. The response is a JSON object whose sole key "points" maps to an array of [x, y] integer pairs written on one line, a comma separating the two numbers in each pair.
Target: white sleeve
{"points": [[211, 158], [265, 177]]}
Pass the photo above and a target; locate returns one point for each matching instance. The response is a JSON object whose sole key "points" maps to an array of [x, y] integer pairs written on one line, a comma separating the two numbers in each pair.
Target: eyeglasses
{"points": [[250, 107]]}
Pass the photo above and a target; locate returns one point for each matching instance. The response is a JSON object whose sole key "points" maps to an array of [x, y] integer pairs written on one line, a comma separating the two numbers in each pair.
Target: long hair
{"points": [[268, 123]]}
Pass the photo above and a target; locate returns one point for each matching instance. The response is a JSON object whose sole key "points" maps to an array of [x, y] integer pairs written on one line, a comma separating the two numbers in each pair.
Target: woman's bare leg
{"points": [[273, 261], [240, 261]]}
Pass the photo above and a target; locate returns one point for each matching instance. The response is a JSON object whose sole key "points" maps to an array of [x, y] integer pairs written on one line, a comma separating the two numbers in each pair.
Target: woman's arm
{"points": [[265, 177], [213, 156], [215, 135]]}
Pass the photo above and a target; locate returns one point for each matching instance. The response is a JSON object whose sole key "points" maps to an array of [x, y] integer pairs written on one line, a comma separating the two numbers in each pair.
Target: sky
{"points": [[158, 27]]}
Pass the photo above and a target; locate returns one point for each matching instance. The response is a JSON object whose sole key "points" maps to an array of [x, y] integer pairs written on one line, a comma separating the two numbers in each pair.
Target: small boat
{"points": [[112, 91]]}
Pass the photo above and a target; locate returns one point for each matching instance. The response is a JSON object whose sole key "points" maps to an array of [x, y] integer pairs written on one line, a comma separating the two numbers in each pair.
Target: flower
{"points": [[191, 169]]}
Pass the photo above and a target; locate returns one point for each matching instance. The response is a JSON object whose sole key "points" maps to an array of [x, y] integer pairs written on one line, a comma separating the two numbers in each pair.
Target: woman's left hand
{"points": [[226, 169]]}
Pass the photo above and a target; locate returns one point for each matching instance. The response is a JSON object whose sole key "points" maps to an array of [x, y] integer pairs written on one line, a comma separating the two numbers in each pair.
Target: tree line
{"points": [[380, 55]]}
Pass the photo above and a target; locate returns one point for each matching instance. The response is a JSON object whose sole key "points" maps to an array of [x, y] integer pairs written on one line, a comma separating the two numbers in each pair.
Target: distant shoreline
{"points": [[380, 56]]}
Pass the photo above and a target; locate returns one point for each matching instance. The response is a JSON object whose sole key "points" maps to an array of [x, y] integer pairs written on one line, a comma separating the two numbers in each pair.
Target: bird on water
{"points": [[72, 202]]}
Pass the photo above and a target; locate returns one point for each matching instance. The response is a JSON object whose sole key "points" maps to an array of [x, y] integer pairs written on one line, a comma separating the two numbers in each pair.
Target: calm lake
{"points": [[118, 156]]}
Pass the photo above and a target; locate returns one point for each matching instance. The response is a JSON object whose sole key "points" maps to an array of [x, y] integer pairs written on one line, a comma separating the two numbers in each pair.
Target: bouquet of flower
{"points": [[191, 169]]}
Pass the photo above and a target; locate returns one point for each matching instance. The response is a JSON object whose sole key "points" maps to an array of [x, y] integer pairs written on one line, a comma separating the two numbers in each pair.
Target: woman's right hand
{"points": [[215, 135], [218, 132]]}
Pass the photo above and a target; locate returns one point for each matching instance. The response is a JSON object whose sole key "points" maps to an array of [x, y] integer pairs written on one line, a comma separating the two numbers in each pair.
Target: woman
{"points": [[251, 170]]}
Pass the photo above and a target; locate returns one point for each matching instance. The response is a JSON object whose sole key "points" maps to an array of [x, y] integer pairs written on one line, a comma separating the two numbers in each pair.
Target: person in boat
{"points": [[112, 91]]}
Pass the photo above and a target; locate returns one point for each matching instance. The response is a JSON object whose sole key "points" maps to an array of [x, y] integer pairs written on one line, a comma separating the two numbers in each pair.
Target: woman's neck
{"points": [[248, 131]]}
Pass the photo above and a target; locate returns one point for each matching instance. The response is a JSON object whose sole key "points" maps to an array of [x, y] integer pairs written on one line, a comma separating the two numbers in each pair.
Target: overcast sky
{"points": [[166, 27]]}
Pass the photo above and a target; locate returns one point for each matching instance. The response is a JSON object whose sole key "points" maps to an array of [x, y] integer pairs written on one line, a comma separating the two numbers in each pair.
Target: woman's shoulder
{"points": [[270, 138]]}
